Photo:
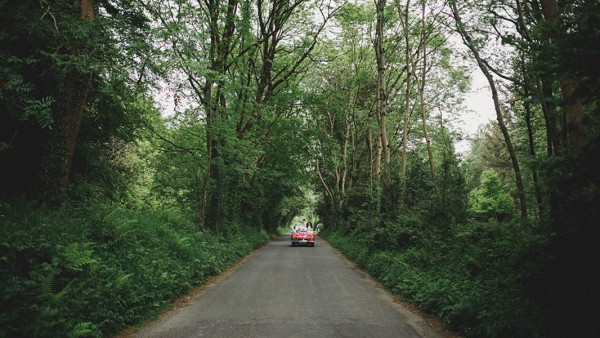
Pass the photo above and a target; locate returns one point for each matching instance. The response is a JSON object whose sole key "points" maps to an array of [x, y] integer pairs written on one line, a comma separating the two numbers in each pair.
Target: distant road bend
{"points": [[285, 291]]}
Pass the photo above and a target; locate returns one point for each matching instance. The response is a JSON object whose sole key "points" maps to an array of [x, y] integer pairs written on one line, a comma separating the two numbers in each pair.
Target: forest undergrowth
{"points": [[480, 278], [92, 270]]}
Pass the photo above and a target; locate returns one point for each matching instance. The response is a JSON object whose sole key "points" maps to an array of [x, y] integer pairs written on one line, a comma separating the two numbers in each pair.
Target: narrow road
{"points": [[285, 291]]}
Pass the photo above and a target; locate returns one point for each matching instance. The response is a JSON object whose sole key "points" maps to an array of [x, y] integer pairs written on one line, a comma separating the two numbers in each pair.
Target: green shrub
{"points": [[475, 279], [490, 200], [94, 270]]}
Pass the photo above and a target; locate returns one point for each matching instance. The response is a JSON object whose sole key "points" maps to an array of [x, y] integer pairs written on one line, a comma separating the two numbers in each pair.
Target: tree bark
{"points": [[77, 85], [422, 101], [409, 61], [382, 153], [536, 184], [56, 167], [572, 104], [222, 27], [553, 140]]}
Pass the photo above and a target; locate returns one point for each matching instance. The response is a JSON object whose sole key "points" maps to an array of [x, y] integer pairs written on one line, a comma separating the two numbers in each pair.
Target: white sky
{"points": [[480, 110], [480, 102]]}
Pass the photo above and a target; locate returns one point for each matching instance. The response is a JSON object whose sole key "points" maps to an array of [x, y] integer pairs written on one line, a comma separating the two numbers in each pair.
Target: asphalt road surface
{"points": [[285, 291]]}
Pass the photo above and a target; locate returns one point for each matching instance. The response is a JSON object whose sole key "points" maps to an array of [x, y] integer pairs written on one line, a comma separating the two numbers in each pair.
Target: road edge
{"points": [[428, 326], [190, 296]]}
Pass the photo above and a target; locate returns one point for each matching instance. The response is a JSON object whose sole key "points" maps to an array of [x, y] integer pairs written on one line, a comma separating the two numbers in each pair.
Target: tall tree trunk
{"points": [[507, 140], [214, 105], [409, 75], [553, 140], [56, 167], [373, 177], [536, 184], [203, 199], [382, 151], [572, 104], [543, 91], [422, 100], [77, 85], [346, 144]]}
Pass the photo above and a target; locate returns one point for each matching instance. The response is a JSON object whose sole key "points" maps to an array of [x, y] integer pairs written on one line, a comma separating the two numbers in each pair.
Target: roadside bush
{"points": [[475, 279], [93, 270], [490, 200]]}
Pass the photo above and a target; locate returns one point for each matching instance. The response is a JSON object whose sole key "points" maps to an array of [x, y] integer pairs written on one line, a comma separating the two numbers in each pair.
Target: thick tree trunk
{"points": [[87, 8], [56, 167], [572, 104], [215, 106], [210, 208], [574, 117], [77, 87]]}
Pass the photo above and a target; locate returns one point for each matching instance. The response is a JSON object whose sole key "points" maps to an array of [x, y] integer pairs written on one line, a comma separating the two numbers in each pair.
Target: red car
{"points": [[303, 236]]}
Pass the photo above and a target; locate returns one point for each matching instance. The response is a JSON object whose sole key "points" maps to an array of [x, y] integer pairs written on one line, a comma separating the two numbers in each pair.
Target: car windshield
{"points": [[307, 230]]}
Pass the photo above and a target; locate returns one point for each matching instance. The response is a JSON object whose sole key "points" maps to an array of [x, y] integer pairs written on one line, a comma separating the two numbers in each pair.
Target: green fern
{"points": [[121, 279], [57, 298], [47, 286], [19, 86], [39, 110], [183, 242], [77, 255], [84, 329]]}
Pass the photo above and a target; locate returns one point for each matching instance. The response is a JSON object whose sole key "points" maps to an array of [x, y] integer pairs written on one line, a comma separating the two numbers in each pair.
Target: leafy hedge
{"points": [[94, 270], [475, 280]]}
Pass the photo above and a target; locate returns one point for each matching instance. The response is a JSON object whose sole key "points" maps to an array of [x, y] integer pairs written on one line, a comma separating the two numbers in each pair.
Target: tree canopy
{"points": [[236, 114]]}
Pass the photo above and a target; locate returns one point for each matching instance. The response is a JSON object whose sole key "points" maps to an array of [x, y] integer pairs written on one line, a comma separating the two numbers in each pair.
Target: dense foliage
{"points": [[461, 278], [116, 196], [94, 270], [146, 145], [499, 242]]}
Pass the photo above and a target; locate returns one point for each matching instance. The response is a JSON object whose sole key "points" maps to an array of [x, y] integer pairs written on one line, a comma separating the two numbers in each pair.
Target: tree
{"points": [[57, 75], [240, 63], [572, 103], [382, 150], [426, 30], [468, 41], [490, 200], [346, 107], [60, 150]]}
